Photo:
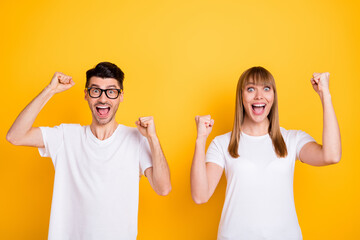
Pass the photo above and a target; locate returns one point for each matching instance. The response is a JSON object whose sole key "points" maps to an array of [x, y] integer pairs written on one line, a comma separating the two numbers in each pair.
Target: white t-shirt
{"points": [[96, 186], [259, 201]]}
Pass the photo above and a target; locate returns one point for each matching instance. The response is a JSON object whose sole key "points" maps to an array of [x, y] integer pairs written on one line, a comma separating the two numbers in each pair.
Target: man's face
{"points": [[103, 109]]}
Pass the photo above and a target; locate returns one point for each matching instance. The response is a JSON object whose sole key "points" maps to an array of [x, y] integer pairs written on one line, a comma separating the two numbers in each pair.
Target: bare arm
{"points": [[330, 152], [22, 131], [159, 174], [204, 177]]}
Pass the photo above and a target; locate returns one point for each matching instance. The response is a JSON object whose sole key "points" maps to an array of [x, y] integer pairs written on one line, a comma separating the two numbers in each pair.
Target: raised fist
{"points": [[204, 125], [61, 82], [320, 82], [146, 126]]}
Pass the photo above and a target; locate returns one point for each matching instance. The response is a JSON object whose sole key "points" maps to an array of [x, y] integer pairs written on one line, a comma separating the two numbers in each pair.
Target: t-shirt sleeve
{"points": [[53, 140], [145, 155], [302, 138], [214, 154]]}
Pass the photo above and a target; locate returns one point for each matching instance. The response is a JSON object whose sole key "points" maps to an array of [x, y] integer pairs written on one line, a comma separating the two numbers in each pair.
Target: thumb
{"points": [[197, 118], [138, 126]]}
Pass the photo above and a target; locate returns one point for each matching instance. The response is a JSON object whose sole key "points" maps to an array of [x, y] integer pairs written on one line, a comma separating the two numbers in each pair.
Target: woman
{"points": [[259, 158]]}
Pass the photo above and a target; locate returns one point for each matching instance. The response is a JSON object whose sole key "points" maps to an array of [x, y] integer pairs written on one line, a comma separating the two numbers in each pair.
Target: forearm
{"points": [[23, 123], [199, 181], [331, 133], [160, 172]]}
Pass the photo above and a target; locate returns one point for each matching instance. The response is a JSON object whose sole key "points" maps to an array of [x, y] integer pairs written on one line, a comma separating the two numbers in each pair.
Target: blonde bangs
{"points": [[258, 76]]}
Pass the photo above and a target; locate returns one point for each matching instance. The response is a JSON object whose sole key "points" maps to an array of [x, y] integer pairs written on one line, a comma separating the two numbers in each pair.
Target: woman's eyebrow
{"points": [[250, 83]]}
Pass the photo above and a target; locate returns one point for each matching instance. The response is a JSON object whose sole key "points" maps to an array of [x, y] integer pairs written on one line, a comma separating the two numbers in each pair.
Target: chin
{"points": [[259, 118], [103, 121]]}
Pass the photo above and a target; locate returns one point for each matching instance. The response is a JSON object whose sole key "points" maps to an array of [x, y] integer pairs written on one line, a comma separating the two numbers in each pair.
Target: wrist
{"points": [[201, 139], [324, 95], [152, 137], [48, 89]]}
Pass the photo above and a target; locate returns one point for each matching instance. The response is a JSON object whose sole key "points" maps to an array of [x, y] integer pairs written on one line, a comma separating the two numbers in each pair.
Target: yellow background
{"points": [[182, 58]]}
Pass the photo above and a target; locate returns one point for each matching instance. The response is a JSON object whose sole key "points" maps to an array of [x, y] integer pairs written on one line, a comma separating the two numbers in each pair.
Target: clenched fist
{"points": [[146, 126], [320, 82], [204, 125], [61, 82]]}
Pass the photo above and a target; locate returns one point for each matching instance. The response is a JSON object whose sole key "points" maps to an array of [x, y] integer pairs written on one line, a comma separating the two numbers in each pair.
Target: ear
{"points": [[121, 97], [85, 94]]}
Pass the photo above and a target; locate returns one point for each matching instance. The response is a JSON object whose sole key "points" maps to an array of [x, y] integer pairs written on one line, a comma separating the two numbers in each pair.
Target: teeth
{"points": [[102, 107], [259, 105]]}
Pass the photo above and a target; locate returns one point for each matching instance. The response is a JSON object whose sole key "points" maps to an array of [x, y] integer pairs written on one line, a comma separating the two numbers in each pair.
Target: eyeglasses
{"points": [[111, 93]]}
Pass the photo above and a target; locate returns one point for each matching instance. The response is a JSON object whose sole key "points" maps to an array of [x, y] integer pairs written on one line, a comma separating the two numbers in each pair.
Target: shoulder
{"points": [[222, 140], [288, 133], [223, 137], [72, 126], [129, 132], [293, 135], [66, 128], [72, 129]]}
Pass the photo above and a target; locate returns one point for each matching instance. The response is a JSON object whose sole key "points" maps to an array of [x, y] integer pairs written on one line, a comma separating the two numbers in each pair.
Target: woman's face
{"points": [[257, 101]]}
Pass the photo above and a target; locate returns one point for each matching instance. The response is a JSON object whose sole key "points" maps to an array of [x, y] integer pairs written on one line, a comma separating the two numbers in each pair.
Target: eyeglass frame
{"points": [[104, 90]]}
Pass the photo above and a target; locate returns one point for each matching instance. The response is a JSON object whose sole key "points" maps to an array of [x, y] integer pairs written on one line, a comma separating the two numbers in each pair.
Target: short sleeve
{"points": [[302, 138], [214, 154], [145, 155], [53, 140]]}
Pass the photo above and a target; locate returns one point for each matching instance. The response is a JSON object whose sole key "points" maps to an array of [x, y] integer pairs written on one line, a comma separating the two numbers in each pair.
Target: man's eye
{"points": [[95, 90], [111, 91]]}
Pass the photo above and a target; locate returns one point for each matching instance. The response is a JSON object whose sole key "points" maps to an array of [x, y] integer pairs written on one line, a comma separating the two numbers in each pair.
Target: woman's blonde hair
{"points": [[257, 76]]}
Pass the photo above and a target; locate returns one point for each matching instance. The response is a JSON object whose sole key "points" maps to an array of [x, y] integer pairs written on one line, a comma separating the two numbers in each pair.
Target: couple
{"points": [[97, 167]]}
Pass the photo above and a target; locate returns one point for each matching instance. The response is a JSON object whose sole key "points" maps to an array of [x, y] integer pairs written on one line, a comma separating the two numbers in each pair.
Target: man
{"points": [[97, 167]]}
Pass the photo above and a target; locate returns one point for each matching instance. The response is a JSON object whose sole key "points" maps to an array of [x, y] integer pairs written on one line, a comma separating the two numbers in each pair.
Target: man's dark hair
{"points": [[105, 70]]}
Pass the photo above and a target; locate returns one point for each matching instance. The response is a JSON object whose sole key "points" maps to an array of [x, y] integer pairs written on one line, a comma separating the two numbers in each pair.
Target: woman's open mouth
{"points": [[258, 109]]}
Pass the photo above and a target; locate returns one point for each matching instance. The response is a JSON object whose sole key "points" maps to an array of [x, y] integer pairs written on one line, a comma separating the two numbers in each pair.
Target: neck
{"points": [[104, 131], [255, 128]]}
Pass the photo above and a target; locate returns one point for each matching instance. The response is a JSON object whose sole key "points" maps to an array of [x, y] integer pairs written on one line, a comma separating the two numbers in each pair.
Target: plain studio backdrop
{"points": [[182, 58]]}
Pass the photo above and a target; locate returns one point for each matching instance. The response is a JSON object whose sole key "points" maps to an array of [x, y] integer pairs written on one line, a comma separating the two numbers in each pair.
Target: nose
{"points": [[258, 94]]}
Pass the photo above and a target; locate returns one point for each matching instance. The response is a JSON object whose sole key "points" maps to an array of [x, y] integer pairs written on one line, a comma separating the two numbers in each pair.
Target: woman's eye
{"points": [[250, 89], [267, 88]]}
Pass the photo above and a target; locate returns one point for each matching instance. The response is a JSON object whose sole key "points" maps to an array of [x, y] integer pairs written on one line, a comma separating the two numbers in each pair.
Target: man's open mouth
{"points": [[102, 110]]}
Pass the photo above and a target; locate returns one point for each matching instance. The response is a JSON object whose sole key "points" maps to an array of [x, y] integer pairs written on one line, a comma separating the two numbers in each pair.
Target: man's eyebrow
{"points": [[109, 86]]}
